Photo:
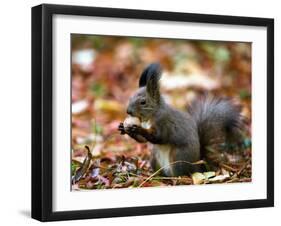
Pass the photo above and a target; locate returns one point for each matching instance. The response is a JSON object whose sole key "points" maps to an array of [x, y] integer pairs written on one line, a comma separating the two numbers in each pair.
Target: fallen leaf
{"points": [[83, 169], [79, 107], [219, 178], [198, 178], [108, 106], [209, 174]]}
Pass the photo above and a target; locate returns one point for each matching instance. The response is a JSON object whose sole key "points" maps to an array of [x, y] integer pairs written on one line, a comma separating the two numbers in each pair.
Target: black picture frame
{"points": [[42, 107]]}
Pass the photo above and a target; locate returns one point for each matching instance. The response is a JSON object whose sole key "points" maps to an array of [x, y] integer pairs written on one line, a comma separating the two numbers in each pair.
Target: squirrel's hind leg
{"points": [[184, 162]]}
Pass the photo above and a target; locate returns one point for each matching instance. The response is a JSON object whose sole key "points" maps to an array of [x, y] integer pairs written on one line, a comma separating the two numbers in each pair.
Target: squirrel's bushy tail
{"points": [[219, 121]]}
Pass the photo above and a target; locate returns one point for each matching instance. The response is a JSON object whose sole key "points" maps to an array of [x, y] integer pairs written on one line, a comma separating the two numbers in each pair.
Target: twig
{"points": [[233, 179], [243, 167], [167, 178], [172, 163], [228, 167], [95, 137]]}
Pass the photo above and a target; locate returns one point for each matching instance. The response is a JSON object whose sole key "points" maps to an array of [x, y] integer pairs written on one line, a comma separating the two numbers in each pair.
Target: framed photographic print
{"points": [[145, 112]]}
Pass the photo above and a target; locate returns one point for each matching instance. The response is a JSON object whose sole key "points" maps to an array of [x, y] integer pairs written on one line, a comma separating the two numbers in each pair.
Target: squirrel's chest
{"points": [[162, 153]]}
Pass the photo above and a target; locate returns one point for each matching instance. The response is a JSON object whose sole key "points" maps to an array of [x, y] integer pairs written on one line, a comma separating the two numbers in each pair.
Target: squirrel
{"points": [[180, 138]]}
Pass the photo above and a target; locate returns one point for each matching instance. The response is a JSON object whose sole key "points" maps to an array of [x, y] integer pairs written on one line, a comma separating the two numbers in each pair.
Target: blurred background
{"points": [[105, 73]]}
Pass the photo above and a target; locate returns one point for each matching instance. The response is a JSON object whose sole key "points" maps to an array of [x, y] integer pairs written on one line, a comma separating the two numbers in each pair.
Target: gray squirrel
{"points": [[180, 139]]}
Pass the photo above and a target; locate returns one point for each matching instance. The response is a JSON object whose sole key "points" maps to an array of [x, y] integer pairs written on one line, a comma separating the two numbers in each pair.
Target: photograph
{"points": [[146, 112], [152, 112]]}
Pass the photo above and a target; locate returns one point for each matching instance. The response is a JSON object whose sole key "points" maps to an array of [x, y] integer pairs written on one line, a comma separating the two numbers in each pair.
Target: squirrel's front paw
{"points": [[133, 129], [121, 128]]}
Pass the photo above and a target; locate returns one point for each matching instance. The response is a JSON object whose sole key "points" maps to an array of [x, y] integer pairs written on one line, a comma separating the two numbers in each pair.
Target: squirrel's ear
{"points": [[153, 76], [154, 68], [143, 78]]}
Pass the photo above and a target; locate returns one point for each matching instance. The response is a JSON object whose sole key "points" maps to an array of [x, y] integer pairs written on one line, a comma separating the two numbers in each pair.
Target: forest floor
{"points": [[105, 73]]}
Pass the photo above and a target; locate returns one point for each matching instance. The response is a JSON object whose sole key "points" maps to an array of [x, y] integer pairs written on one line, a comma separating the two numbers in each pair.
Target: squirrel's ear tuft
{"points": [[153, 70], [152, 84]]}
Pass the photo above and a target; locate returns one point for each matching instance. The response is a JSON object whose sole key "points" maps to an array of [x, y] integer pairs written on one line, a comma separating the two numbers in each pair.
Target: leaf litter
{"points": [[103, 83]]}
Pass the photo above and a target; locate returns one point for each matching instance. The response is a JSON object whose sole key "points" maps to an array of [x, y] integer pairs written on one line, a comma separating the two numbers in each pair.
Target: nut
{"points": [[129, 121]]}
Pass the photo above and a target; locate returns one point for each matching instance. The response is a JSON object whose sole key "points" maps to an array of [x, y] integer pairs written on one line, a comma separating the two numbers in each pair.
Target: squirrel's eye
{"points": [[142, 102]]}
